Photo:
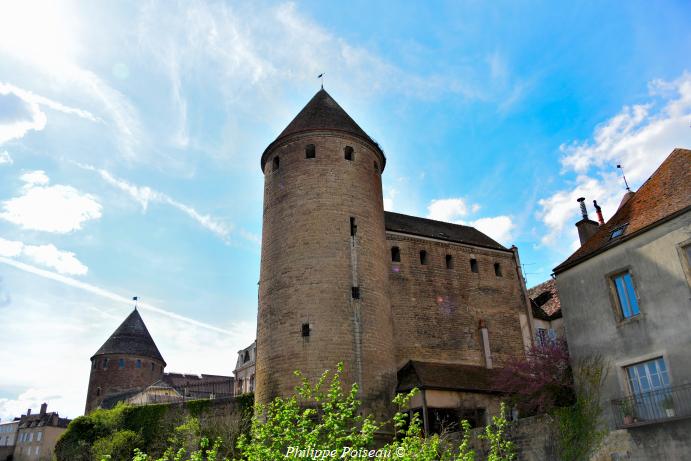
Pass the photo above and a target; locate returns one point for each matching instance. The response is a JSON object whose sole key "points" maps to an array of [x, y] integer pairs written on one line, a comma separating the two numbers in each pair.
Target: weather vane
{"points": [[321, 77], [623, 176]]}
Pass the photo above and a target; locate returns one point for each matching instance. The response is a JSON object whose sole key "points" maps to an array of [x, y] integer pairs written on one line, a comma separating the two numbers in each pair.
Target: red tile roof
{"points": [[666, 194], [545, 300]]}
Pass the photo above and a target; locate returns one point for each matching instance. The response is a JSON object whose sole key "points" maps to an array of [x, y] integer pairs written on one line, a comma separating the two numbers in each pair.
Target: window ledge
{"points": [[653, 421], [631, 320]]}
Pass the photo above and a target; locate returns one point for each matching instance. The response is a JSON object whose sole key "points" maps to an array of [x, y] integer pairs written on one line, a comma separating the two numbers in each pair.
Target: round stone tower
{"points": [[323, 292], [128, 361]]}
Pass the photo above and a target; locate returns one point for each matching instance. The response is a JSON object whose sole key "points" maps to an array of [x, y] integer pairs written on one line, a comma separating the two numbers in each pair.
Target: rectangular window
{"points": [[648, 376], [497, 269], [423, 257], [310, 151], [105, 363], [626, 296], [138, 363], [39, 436], [356, 292], [121, 363], [31, 436], [449, 262], [473, 265], [305, 330], [353, 227]]}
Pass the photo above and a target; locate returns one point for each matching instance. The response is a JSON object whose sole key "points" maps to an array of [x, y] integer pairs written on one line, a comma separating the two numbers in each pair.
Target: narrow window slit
{"points": [[356, 292], [310, 151], [305, 330], [473, 265], [423, 257], [277, 162], [395, 254], [348, 153], [353, 227], [449, 262], [497, 269]]}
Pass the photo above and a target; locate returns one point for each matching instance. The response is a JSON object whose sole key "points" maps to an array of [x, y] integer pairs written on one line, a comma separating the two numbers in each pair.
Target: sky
{"points": [[131, 134]]}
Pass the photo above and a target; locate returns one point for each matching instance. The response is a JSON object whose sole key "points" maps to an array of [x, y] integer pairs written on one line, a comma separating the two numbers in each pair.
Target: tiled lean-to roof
{"points": [[666, 194], [446, 376], [396, 222], [544, 300]]}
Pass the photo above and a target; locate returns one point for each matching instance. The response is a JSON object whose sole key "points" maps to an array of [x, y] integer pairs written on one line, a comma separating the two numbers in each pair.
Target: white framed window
{"points": [[648, 376], [39, 436], [31, 436]]}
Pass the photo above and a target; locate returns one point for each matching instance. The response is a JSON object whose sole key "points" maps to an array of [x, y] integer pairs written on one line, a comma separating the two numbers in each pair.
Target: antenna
{"points": [[623, 176], [321, 77], [135, 299]]}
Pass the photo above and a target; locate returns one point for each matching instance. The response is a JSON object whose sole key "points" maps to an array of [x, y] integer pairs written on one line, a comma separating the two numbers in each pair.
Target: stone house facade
{"points": [[626, 295]]}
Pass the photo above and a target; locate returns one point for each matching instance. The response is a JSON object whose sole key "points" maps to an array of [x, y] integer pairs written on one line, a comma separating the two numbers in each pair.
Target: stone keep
{"points": [[323, 292]]}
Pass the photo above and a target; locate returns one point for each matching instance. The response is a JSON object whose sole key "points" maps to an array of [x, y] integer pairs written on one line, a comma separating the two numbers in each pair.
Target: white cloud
{"points": [[20, 112], [498, 227], [447, 209], [456, 210], [35, 178], [65, 262], [6, 158], [639, 137], [58, 208], [145, 195]]}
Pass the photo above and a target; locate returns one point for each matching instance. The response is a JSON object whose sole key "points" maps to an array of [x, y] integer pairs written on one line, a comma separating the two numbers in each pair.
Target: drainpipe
{"points": [[485, 344]]}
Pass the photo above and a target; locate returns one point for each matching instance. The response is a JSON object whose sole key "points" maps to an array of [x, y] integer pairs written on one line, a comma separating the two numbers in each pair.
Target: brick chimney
{"points": [[586, 226], [28, 412], [44, 407]]}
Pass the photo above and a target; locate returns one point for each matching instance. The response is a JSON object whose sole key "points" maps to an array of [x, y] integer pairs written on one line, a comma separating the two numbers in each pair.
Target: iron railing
{"points": [[651, 407]]}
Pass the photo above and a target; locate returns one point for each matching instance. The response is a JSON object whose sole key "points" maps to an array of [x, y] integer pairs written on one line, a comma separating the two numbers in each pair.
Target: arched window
{"points": [[423, 257], [310, 151], [277, 163], [449, 262], [348, 153], [497, 269], [395, 254]]}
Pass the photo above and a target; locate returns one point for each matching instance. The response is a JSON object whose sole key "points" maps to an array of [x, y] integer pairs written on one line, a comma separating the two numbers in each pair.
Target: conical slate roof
{"points": [[131, 338], [323, 113]]}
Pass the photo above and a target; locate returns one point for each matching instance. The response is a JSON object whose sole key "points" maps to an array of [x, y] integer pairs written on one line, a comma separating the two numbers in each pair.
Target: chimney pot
{"points": [[28, 412], [598, 210], [584, 212]]}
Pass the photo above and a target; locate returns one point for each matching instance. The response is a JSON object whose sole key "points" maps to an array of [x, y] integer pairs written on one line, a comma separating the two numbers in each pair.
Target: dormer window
{"points": [[246, 357], [618, 232]]}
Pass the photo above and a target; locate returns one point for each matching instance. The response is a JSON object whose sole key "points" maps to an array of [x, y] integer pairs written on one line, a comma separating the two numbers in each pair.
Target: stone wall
{"points": [[105, 381], [535, 441], [310, 262], [437, 310]]}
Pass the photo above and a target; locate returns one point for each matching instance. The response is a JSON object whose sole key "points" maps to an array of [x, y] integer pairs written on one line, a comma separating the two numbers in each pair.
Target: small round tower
{"points": [[128, 360], [323, 294]]}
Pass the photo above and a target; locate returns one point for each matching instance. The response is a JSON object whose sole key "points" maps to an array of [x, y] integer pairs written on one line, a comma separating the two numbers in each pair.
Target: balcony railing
{"points": [[651, 407]]}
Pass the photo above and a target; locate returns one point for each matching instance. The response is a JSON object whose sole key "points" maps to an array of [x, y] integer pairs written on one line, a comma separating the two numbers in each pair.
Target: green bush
{"points": [[118, 446]]}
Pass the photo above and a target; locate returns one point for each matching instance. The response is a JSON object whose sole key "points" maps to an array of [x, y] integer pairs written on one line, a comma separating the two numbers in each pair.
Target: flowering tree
{"points": [[540, 381]]}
